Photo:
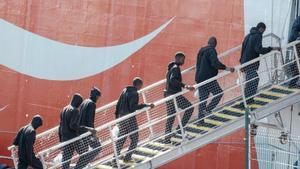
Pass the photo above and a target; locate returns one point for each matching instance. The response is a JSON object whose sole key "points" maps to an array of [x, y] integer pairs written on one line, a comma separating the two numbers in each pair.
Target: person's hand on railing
{"points": [[189, 87], [151, 105], [92, 130], [231, 69], [276, 48]]}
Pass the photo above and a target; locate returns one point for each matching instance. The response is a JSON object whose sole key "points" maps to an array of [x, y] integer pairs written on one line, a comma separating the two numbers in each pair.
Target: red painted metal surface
{"points": [[98, 23]]}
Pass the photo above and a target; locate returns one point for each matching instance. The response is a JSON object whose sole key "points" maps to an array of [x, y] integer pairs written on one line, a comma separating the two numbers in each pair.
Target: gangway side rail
{"points": [[187, 147]]}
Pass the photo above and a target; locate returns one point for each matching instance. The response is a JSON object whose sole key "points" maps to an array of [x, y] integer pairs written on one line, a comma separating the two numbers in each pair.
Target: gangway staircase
{"points": [[152, 151], [226, 120]]}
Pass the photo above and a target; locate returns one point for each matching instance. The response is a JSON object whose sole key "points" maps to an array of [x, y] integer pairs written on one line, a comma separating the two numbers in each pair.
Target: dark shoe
{"points": [[167, 141], [250, 101], [168, 138], [114, 163], [200, 122], [128, 160], [242, 106], [294, 87], [253, 129]]}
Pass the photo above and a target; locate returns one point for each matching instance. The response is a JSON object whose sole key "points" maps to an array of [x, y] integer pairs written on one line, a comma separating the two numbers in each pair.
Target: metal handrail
{"points": [[159, 102], [222, 55]]}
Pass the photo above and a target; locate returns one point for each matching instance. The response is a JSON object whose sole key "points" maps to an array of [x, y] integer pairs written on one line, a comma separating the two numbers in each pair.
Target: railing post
{"points": [[273, 160], [247, 125], [270, 72], [179, 120], [114, 147], [242, 87], [148, 116], [297, 57]]}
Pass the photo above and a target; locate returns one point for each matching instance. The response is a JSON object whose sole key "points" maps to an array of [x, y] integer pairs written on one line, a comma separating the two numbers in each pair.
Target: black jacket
{"points": [[174, 79], [128, 102], [294, 34], [252, 47], [87, 114], [25, 140], [208, 64], [69, 120]]}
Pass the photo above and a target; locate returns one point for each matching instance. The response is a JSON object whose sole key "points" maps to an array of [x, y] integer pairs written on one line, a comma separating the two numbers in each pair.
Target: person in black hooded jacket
{"points": [[69, 128], [129, 103], [295, 31], [251, 49], [87, 117], [207, 67], [174, 85], [294, 35], [25, 140]]}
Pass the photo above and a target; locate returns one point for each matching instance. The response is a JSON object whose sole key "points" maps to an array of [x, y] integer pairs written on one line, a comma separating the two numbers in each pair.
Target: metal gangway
{"points": [[273, 95]]}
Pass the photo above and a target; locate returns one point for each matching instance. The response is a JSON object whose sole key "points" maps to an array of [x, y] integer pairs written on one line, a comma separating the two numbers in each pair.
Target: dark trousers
{"points": [[252, 81], [36, 164], [291, 69], [182, 103], [68, 151], [125, 127], [294, 72], [204, 91], [87, 142]]}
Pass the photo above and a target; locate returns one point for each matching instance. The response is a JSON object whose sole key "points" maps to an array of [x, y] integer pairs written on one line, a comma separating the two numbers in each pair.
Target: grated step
{"points": [[234, 110], [273, 94], [227, 112], [268, 96], [286, 88], [147, 153], [197, 130], [258, 102], [263, 99], [153, 147], [208, 125], [192, 135], [220, 119], [276, 90], [214, 122], [225, 116]]}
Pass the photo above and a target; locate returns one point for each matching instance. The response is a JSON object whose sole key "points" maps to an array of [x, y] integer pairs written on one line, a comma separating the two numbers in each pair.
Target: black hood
{"points": [[212, 42], [76, 100], [94, 93], [254, 30], [171, 65], [36, 121]]}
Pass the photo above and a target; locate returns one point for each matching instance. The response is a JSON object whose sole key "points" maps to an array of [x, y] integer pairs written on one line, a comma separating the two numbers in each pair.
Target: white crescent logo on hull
{"points": [[43, 58]]}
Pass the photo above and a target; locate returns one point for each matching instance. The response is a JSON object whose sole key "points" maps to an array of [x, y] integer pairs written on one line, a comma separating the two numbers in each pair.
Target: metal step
{"points": [[263, 99], [230, 117]]}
